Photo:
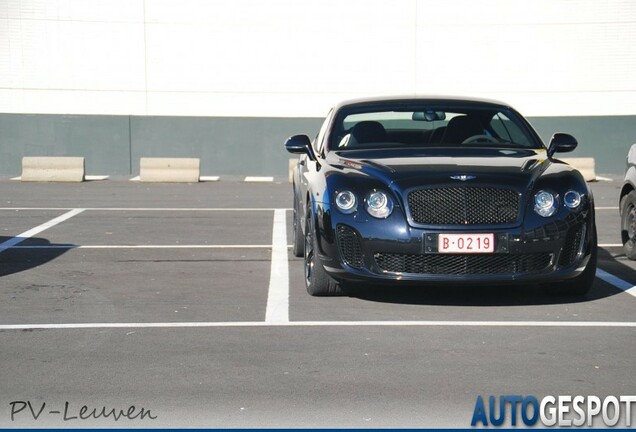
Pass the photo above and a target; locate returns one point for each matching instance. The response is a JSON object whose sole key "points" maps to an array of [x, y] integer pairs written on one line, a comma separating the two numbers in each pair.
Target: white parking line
{"points": [[277, 310], [605, 208], [96, 177], [599, 324], [38, 229], [254, 179], [616, 281]]}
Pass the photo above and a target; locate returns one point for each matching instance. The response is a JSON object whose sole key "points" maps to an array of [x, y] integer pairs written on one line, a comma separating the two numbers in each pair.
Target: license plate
{"points": [[466, 243]]}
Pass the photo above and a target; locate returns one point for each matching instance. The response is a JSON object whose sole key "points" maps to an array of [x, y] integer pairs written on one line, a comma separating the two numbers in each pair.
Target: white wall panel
{"points": [[280, 47], [74, 10], [72, 102], [295, 58], [74, 55]]}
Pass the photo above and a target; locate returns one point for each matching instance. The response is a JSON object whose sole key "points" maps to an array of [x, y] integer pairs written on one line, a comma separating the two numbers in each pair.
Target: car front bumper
{"points": [[391, 251]]}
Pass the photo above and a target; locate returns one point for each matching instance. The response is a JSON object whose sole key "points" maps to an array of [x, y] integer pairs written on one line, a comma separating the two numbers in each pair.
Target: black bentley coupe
{"points": [[439, 190]]}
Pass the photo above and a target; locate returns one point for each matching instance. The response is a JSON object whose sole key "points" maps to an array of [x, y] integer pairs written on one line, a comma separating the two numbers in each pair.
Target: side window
{"points": [[319, 143], [508, 130]]}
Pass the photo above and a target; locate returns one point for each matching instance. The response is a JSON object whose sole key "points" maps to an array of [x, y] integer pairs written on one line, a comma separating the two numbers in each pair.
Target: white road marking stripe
{"points": [[278, 296], [136, 178], [209, 178], [600, 324], [38, 229], [70, 246], [616, 281], [610, 245], [96, 177], [253, 179], [605, 208], [149, 209], [607, 179]]}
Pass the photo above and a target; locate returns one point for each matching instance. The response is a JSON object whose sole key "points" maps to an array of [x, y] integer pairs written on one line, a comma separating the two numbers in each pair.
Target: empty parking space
{"points": [[163, 227], [123, 285]]}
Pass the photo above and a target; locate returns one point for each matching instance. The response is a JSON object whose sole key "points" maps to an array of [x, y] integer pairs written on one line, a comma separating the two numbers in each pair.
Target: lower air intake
{"points": [[443, 264]]}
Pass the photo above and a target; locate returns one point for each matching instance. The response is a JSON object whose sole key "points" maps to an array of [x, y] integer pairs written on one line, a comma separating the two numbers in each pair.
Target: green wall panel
{"points": [[102, 140], [234, 145], [230, 146], [607, 139]]}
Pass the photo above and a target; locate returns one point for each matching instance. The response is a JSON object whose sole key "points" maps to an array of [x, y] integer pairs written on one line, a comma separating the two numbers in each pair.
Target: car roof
{"points": [[408, 100]]}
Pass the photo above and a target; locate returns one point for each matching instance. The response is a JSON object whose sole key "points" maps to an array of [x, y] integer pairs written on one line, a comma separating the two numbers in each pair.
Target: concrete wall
{"points": [[113, 145], [236, 146], [290, 58], [227, 81], [103, 140], [242, 146], [606, 139]]}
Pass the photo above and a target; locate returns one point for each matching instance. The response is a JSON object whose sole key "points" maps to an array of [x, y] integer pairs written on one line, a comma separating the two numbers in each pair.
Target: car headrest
{"points": [[368, 131], [460, 128]]}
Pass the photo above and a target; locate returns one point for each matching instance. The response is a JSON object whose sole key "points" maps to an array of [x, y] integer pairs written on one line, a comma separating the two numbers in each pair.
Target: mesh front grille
{"points": [[464, 206], [571, 246], [448, 264], [349, 244]]}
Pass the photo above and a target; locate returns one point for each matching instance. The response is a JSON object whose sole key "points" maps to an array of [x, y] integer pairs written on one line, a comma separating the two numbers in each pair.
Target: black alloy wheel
{"points": [[298, 239], [317, 281]]}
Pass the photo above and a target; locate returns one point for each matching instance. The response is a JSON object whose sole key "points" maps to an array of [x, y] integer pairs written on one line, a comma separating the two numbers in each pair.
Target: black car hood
{"points": [[405, 168]]}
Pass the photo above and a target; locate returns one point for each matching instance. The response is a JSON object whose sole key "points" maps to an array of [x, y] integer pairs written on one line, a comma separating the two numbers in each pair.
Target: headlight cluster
{"points": [[377, 203], [346, 202], [546, 203]]}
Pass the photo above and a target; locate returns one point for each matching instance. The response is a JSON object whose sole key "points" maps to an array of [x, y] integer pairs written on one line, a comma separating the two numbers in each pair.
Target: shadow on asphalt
{"points": [[19, 260], [496, 295]]}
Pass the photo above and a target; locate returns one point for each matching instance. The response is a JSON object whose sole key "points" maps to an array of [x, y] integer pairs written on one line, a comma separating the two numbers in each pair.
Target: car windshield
{"points": [[429, 126]]}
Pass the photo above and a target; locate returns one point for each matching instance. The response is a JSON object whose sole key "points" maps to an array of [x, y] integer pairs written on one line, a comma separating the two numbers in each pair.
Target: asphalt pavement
{"points": [[173, 299]]}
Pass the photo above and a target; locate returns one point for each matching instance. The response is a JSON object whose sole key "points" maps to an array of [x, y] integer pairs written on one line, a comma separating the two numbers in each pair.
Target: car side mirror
{"points": [[561, 143], [300, 144]]}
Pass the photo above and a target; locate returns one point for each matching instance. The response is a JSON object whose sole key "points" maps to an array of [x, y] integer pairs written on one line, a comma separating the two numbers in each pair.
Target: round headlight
{"points": [[545, 204], [572, 199], [346, 201], [378, 204]]}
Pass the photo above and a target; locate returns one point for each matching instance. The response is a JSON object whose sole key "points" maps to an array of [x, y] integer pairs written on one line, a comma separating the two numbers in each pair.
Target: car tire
{"points": [[628, 224], [298, 243], [317, 281], [582, 284]]}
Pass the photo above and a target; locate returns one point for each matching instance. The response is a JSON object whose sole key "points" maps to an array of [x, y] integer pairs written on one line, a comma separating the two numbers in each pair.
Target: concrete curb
{"points": [[52, 169], [586, 166], [169, 170]]}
